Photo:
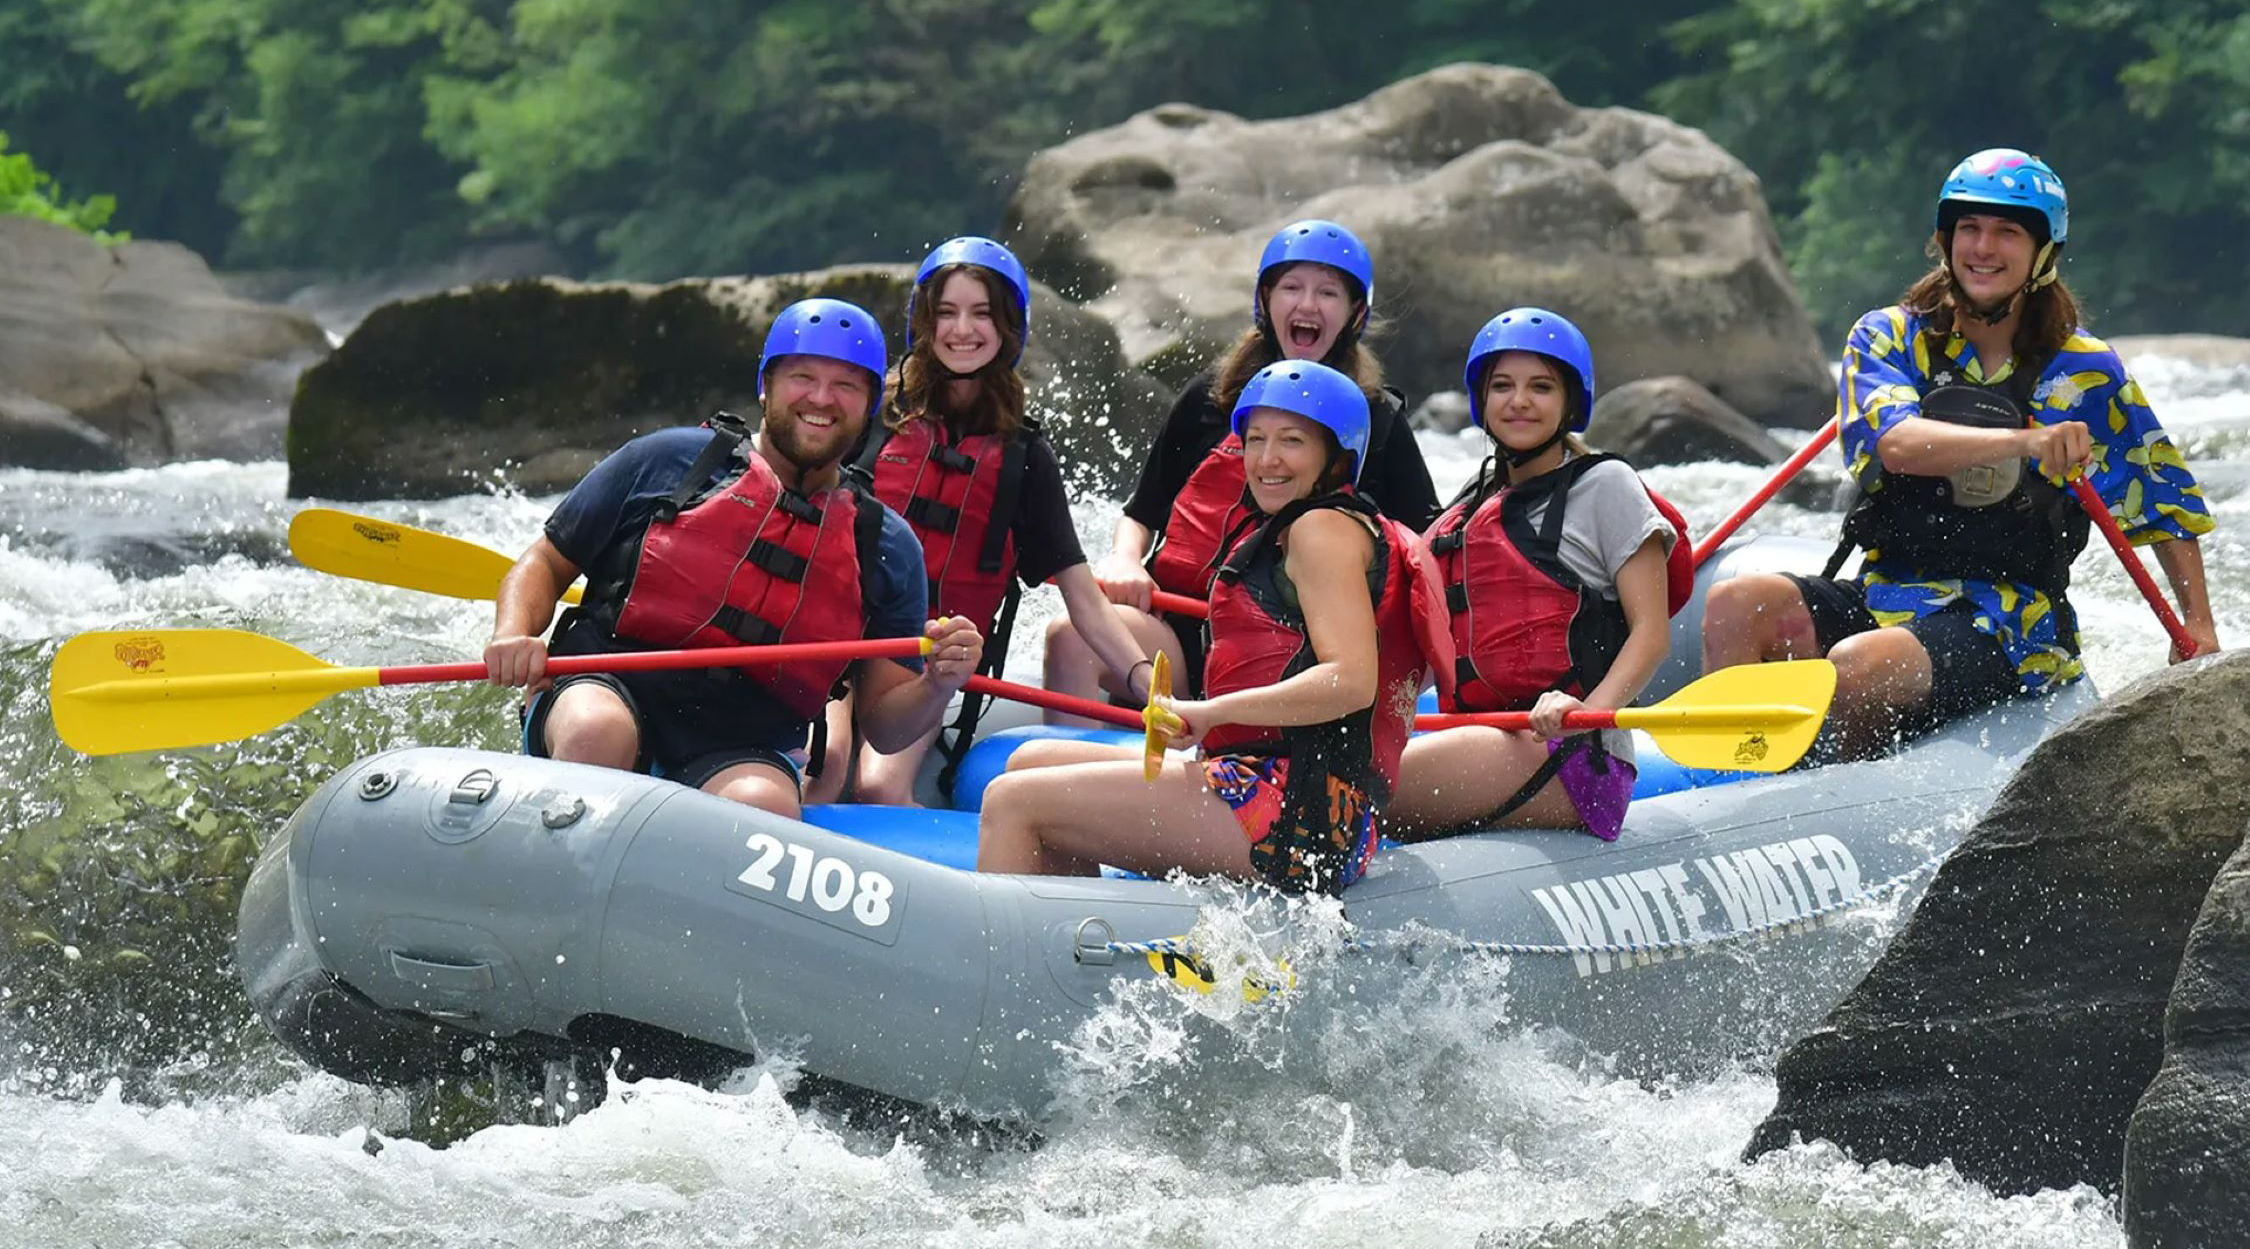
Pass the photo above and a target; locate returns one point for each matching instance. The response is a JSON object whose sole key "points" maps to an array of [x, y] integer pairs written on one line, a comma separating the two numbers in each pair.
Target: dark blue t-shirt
{"points": [[619, 495]]}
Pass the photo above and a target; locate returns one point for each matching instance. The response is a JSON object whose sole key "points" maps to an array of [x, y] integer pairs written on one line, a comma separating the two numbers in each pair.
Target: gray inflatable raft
{"points": [[434, 909]]}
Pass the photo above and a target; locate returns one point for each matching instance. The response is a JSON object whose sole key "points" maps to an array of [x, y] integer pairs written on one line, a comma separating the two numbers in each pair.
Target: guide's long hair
{"points": [[923, 384], [2050, 313], [1258, 347]]}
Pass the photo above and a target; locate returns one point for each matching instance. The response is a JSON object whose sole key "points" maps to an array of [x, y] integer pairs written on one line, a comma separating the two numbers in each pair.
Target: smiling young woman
{"points": [[1313, 300], [1313, 669], [1562, 571], [979, 484]]}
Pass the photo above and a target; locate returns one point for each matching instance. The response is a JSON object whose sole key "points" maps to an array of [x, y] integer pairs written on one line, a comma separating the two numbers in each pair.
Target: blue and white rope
{"points": [[1181, 945]]}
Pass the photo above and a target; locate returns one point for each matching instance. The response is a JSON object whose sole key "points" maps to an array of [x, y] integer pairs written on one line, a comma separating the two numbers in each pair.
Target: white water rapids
{"points": [[1454, 1125]]}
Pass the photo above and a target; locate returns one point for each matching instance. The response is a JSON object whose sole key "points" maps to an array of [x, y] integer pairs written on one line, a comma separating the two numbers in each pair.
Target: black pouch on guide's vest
{"points": [[2002, 521]]}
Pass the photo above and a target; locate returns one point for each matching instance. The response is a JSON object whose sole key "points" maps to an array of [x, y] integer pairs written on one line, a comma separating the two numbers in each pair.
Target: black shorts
{"points": [[1968, 669], [670, 747]]}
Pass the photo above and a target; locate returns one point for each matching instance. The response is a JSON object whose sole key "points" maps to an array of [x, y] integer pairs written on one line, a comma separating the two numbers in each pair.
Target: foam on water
{"points": [[1440, 1120]]}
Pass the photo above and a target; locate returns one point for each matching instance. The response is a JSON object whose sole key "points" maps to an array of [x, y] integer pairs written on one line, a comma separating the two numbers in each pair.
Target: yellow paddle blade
{"points": [[1155, 719], [1751, 718], [1193, 972], [118, 692], [388, 553]]}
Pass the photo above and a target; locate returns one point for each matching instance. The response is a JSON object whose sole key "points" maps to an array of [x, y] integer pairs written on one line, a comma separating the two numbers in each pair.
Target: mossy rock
{"points": [[530, 382]]}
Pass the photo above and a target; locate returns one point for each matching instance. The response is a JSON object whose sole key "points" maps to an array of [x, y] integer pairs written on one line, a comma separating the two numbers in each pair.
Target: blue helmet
{"points": [[831, 328], [969, 249], [1541, 331], [1326, 243], [2010, 179], [1317, 393]]}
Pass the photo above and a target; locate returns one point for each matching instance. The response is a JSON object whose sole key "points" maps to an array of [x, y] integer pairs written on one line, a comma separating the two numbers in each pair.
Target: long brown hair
{"points": [[2050, 313], [923, 384], [1258, 347]]}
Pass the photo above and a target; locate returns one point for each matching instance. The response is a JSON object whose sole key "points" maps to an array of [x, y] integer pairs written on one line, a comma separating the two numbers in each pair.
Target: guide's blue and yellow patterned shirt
{"points": [[2135, 467]]}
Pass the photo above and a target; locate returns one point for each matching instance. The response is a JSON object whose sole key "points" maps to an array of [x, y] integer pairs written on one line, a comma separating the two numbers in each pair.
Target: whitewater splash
{"points": [[1439, 1121]]}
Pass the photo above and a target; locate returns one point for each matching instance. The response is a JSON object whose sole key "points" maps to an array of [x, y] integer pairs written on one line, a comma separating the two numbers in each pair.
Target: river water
{"points": [[141, 1106]]}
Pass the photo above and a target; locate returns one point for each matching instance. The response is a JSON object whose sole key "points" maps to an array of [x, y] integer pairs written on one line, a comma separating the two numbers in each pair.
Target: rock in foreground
{"points": [[2016, 1019]]}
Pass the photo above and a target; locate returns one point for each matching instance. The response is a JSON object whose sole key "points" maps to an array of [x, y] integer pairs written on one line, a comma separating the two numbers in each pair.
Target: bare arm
{"points": [[1641, 592], [1920, 446], [898, 705], [517, 654], [2182, 561], [1328, 556], [1121, 576], [1099, 626]]}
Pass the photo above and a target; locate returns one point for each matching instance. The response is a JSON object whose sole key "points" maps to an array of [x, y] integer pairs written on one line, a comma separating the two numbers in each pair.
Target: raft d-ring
{"points": [[1093, 953]]}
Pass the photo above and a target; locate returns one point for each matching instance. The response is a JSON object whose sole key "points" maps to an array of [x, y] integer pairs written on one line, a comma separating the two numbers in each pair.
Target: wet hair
{"points": [[1258, 347], [2050, 313], [923, 385]]}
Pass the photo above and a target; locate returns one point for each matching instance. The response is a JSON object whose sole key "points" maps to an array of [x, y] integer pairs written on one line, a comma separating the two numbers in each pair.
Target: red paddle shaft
{"points": [[661, 661], [1789, 468], [2098, 511]]}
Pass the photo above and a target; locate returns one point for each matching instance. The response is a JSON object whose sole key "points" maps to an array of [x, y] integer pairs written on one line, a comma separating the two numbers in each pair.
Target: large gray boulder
{"points": [[2016, 1019], [2188, 1146], [1675, 420], [533, 381], [134, 354], [1477, 188]]}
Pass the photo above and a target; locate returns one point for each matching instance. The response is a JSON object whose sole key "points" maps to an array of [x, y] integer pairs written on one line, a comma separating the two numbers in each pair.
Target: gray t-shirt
{"points": [[1607, 517]]}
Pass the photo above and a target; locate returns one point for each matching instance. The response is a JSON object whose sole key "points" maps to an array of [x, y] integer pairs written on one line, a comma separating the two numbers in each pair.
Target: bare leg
{"points": [[888, 780], [1068, 821], [1073, 668], [1452, 780], [1756, 618], [836, 763], [589, 723], [1880, 676], [761, 785], [1046, 753]]}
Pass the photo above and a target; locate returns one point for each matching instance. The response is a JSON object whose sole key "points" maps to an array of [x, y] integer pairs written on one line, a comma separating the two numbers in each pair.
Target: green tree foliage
{"points": [[316, 106], [58, 101], [1852, 113], [27, 192], [653, 138]]}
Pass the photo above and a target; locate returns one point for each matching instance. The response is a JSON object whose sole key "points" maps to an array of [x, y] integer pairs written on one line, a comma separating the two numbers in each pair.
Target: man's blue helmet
{"points": [[2010, 179], [1317, 393], [1326, 243], [831, 328], [1547, 333], [970, 249]]}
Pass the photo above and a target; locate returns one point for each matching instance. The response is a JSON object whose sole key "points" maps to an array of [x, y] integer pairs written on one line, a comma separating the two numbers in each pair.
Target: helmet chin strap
{"points": [[1517, 459]]}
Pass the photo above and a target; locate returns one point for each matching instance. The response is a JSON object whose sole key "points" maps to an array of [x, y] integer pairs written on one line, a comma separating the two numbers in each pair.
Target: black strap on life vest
{"points": [[1549, 769], [867, 540]]}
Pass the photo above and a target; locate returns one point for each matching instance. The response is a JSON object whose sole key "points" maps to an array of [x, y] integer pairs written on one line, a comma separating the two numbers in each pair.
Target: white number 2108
{"points": [[830, 882]]}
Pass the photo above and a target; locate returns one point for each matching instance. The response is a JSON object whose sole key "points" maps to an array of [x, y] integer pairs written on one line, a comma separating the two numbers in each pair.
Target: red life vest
{"points": [[752, 562], [1210, 514], [1258, 638], [1522, 622], [954, 494]]}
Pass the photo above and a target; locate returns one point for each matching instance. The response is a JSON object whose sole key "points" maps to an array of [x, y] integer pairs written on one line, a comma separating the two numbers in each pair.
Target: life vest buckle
{"points": [[928, 513]]}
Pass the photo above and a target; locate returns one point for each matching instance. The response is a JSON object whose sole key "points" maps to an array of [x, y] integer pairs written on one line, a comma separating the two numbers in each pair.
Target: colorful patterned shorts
{"points": [[1317, 841]]}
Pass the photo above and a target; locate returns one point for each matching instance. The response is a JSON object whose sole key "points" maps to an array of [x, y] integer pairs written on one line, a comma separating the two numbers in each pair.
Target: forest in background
{"points": [[658, 138]]}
